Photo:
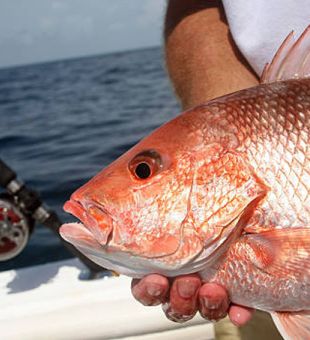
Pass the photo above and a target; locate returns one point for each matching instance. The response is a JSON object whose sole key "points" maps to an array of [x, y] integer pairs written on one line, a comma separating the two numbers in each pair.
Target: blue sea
{"points": [[62, 122]]}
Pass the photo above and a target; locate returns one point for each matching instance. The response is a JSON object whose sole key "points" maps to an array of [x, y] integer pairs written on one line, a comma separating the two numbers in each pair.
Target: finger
{"points": [[213, 301], [183, 298], [240, 315], [151, 290]]}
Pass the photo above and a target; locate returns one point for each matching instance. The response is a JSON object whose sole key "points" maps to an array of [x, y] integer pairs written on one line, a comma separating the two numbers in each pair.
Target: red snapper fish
{"points": [[222, 190]]}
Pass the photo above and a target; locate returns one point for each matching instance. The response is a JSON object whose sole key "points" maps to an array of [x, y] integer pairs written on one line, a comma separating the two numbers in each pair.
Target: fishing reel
{"points": [[20, 209], [15, 228], [17, 205]]}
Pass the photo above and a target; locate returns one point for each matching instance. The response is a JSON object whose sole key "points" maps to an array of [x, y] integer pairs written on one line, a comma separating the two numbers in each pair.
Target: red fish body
{"points": [[223, 190]]}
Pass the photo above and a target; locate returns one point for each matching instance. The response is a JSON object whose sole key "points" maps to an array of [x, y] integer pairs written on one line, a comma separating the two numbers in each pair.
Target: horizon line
{"points": [[77, 57]]}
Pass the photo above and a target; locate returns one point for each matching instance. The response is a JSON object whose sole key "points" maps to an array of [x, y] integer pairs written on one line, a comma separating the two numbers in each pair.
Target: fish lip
{"points": [[75, 208], [79, 209]]}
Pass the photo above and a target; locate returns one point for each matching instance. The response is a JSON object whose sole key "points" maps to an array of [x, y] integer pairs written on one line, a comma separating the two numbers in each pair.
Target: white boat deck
{"points": [[51, 302]]}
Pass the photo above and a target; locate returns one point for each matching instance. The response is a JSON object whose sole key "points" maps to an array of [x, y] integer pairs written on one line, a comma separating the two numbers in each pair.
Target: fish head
{"points": [[161, 206], [135, 209]]}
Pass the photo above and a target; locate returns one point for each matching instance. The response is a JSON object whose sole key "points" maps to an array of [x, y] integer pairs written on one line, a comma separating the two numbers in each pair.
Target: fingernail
{"points": [[239, 315], [154, 290], [173, 316], [207, 303], [236, 319], [186, 289]]}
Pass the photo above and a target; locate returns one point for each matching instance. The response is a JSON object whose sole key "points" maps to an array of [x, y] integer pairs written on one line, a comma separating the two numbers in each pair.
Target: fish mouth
{"points": [[94, 237], [93, 217]]}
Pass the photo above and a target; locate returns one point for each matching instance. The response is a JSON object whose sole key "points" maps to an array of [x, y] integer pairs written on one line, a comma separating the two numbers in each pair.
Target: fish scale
{"points": [[277, 162]]}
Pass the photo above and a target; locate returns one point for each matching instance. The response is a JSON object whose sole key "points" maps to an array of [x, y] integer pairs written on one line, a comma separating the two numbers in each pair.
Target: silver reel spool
{"points": [[14, 230]]}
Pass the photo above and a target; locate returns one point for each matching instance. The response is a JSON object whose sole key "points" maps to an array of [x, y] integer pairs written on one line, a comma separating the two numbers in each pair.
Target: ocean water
{"points": [[62, 122]]}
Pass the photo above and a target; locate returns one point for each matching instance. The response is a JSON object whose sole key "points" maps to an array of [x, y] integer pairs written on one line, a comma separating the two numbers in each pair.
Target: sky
{"points": [[42, 30]]}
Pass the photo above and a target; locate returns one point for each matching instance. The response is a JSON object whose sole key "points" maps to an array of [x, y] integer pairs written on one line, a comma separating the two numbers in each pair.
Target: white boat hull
{"points": [[51, 302]]}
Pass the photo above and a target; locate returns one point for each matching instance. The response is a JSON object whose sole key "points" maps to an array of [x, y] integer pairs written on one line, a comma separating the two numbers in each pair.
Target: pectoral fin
{"points": [[282, 252], [285, 253], [293, 326]]}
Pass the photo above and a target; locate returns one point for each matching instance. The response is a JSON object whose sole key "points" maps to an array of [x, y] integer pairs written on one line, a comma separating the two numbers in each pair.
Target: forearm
{"points": [[202, 60]]}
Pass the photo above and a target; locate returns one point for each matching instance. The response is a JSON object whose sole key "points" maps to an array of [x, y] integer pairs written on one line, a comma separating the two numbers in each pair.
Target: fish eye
{"points": [[145, 164], [143, 170]]}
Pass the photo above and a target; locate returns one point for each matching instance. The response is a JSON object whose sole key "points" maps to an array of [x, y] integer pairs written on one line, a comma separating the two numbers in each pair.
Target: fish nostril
{"points": [[76, 209]]}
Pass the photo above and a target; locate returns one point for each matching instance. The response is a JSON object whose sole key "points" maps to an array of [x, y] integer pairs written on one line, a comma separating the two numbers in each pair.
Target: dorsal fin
{"points": [[291, 61]]}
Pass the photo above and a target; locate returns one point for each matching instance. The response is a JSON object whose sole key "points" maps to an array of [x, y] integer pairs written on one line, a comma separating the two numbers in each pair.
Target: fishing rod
{"points": [[20, 209]]}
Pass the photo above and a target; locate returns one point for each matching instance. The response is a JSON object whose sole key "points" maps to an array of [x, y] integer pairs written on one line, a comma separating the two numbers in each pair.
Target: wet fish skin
{"points": [[223, 190], [230, 175]]}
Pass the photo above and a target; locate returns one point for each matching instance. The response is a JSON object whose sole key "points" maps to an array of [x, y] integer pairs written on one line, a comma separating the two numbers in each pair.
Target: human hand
{"points": [[183, 296]]}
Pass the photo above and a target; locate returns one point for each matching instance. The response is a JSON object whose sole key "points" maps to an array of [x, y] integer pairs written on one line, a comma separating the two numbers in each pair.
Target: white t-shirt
{"points": [[260, 26]]}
